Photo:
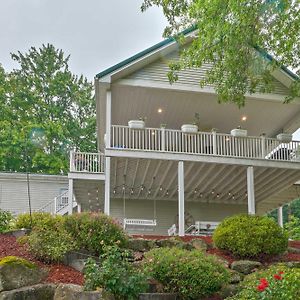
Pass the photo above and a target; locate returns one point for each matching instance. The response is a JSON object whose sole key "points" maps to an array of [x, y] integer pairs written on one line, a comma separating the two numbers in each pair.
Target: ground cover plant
{"points": [[116, 274], [191, 274], [248, 236], [293, 228], [275, 283]]}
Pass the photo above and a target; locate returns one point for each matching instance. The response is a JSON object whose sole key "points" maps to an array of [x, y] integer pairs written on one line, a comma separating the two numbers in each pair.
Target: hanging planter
{"points": [[284, 137], [136, 124], [239, 132], [189, 128]]}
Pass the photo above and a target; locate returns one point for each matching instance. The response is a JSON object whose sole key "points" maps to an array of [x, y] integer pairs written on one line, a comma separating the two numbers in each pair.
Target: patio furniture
{"points": [[202, 228], [139, 224]]}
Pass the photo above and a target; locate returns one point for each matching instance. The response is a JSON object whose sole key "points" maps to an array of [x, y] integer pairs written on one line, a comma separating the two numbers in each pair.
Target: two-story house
{"points": [[155, 172]]}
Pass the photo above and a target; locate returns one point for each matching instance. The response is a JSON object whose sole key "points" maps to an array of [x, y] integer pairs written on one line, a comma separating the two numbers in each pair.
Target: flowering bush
{"points": [[5, 219], [250, 236], [115, 274], [276, 283], [93, 231], [191, 274]]}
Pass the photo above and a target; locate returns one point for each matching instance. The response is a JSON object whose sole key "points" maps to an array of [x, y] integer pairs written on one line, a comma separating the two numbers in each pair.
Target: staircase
{"points": [[60, 205]]}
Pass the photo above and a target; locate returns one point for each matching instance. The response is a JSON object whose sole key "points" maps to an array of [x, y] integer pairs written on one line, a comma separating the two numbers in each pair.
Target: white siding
{"points": [[166, 212], [43, 188], [157, 71]]}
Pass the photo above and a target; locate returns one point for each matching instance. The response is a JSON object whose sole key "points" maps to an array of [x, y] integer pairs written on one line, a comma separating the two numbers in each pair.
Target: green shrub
{"points": [[293, 228], [191, 274], [14, 260], [39, 219], [276, 283], [50, 244], [93, 231], [116, 274], [5, 218], [250, 236]]}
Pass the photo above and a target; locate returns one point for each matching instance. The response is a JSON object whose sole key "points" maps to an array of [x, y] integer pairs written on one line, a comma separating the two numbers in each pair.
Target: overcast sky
{"points": [[97, 33]]}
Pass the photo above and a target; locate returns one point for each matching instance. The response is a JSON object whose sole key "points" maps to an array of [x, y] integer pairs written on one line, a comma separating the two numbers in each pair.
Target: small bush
{"points": [[116, 274], [5, 218], [250, 236], [293, 228], [50, 245], [191, 274], [93, 231], [277, 282], [39, 219]]}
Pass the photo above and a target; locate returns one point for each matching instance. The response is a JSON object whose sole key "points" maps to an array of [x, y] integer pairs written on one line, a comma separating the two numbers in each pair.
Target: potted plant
{"points": [[239, 132], [191, 128], [284, 137], [137, 124]]}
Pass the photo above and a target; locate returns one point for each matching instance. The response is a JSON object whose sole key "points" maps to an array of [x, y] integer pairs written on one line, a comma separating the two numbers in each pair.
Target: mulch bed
{"points": [[58, 273]]}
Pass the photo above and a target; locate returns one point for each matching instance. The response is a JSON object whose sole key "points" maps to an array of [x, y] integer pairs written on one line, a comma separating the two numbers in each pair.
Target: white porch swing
{"points": [[139, 224]]}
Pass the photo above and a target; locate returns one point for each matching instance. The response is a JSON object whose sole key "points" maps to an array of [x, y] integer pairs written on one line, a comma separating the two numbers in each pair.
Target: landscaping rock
{"points": [[199, 244], [35, 292], [292, 264], [75, 292], [140, 245], [158, 296], [16, 274], [245, 266], [235, 277], [293, 250], [77, 260], [229, 290], [171, 242], [18, 232]]}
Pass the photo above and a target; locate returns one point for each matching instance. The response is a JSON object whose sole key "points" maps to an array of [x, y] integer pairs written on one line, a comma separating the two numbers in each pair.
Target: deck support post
{"points": [[70, 197], [181, 228], [250, 191], [108, 119], [107, 186], [280, 216], [78, 208]]}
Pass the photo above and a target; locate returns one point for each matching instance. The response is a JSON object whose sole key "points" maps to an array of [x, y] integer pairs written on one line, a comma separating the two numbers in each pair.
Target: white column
{"points": [[108, 119], [214, 134], [280, 216], [70, 197], [107, 186], [181, 198], [78, 208], [250, 191]]}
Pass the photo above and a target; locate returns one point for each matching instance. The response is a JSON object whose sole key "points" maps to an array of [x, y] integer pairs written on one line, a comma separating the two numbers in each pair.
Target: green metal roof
{"points": [[171, 40]]}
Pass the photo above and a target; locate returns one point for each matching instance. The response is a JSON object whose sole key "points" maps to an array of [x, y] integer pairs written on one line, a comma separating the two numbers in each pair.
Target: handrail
{"points": [[86, 162], [204, 143]]}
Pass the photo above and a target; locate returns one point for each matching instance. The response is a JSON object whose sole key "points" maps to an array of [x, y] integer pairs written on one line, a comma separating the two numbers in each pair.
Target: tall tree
{"points": [[228, 33], [49, 111]]}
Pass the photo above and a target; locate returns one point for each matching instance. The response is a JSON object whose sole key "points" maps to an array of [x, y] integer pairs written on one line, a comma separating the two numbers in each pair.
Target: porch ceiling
{"points": [[204, 182], [179, 107]]}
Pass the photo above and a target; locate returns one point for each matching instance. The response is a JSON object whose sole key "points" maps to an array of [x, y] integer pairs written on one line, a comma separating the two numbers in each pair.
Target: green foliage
{"points": [[250, 236], [228, 32], [45, 112], [276, 283], [93, 231], [191, 274], [293, 228], [50, 244], [5, 220], [39, 219], [14, 260], [292, 208], [116, 274]]}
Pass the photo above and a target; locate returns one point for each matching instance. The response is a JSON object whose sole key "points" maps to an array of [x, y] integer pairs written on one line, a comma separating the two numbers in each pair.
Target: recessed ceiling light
{"points": [[160, 110], [244, 118]]}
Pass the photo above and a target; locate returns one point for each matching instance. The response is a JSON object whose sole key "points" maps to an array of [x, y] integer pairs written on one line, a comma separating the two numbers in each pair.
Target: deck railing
{"points": [[205, 143], [86, 162]]}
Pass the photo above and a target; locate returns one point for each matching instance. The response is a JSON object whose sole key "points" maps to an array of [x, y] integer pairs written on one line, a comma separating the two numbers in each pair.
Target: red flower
{"points": [[281, 272], [264, 281], [278, 277], [261, 287]]}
